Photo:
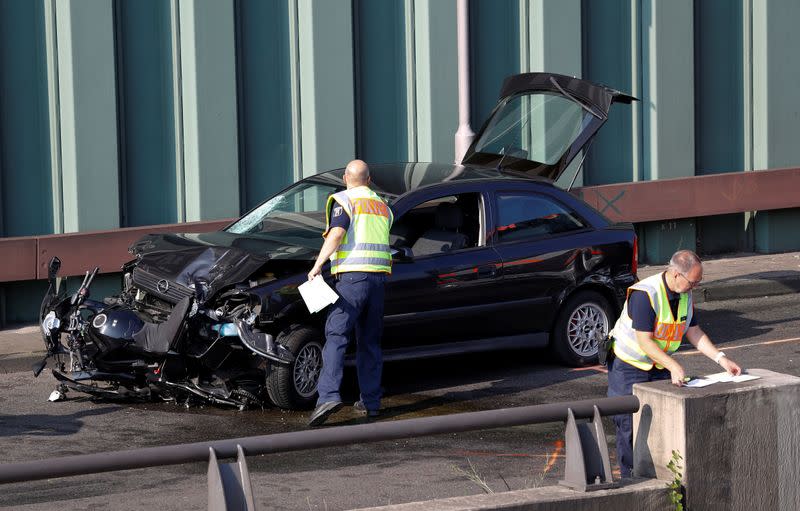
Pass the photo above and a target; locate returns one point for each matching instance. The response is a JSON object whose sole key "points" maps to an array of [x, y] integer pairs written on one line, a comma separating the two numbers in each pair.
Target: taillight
{"points": [[635, 258]]}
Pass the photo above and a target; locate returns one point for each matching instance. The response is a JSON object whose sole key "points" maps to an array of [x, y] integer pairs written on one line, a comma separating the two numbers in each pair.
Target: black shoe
{"points": [[360, 408], [322, 412]]}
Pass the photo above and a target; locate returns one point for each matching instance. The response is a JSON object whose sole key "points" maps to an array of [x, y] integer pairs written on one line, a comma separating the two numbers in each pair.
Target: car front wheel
{"points": [[294, 386], [582, 322]]}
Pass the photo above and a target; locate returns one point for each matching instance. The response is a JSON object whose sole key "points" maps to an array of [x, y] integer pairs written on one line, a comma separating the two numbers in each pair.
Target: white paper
{"points": [[725, 377], [317, 294], [698, 383]]}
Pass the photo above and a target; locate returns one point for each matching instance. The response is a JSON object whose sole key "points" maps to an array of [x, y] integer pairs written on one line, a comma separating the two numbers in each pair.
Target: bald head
{"points": [[356, 173]]}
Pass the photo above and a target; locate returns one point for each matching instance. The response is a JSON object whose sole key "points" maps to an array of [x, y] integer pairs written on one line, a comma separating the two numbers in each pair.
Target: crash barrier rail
{"points": [[587, 462], [26, 258]]}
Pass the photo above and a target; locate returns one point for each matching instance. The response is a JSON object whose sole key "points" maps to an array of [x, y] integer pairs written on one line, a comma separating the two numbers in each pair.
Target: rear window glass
{"points": [[525, 216]]}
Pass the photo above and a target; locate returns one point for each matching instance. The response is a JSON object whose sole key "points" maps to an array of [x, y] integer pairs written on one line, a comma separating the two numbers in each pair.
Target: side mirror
{"points": [[402, 254], [52, 268]]}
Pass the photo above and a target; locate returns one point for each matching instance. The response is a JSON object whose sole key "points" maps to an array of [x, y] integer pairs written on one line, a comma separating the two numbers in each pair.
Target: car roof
{"points": [[395, 179]]}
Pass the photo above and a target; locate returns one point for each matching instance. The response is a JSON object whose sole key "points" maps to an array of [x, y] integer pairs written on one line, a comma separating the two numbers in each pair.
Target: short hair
{"points": [[684, 261]]}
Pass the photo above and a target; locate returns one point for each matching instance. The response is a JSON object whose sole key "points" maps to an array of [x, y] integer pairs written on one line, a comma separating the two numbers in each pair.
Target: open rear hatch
{"points": [[542, 121]]}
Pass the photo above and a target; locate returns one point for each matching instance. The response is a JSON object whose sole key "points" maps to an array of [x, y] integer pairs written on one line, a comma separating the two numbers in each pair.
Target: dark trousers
{"points": [[359, 311], [621, 377]]}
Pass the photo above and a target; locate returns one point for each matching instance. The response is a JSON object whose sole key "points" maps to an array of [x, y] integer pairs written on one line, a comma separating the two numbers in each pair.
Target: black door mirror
{"points": [[52, 268], [402, 254]]}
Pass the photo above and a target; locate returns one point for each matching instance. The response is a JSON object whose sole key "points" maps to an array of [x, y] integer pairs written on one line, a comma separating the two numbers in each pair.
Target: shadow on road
{"points": [[48, 425], [486, 376]]}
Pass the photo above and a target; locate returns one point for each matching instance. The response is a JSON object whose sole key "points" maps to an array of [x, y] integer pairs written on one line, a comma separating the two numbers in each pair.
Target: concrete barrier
{"points": [[740, 441], [639, 495]]}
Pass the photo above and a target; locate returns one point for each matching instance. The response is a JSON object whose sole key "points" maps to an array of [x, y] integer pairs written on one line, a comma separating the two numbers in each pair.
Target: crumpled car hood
{"points": [[209, 262]]}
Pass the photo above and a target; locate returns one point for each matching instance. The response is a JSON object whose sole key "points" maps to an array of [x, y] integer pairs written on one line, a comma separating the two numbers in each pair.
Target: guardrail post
{"points": [[229, 484], [588, 467]]}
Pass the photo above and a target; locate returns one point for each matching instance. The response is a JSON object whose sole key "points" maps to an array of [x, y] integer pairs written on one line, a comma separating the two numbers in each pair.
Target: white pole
{"points": [[464, 135]]}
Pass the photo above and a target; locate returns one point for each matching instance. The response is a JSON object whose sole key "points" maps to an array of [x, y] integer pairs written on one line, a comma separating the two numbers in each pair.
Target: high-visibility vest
{"points": [[365, 246], [668, 331]]}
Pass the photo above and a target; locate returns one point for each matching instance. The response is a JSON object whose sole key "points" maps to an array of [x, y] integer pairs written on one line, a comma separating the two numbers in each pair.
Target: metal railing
{"points": [[587, 464]]}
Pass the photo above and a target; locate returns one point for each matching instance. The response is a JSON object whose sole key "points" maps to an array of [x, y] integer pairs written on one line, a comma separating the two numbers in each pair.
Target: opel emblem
{"points": [[163, 286]]}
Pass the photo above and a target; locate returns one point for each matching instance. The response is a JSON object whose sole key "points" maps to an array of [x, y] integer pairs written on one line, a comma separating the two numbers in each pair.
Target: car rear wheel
{"points": [[294, 386], [584, 319]]}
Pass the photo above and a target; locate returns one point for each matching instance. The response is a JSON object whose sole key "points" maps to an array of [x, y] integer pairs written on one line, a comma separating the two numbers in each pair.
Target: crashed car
{"points": [[487, 255]]}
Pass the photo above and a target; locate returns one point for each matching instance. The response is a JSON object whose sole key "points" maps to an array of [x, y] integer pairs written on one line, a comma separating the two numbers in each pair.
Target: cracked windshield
{"points": [[297, 215]]}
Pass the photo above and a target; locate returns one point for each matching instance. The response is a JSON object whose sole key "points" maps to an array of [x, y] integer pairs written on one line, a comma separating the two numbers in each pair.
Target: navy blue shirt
{"points": [[642, 313], [338, 217]]}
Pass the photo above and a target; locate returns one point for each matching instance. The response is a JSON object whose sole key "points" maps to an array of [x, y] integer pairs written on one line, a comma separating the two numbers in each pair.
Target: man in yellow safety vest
{"points": [[658, 312], [357, 243]]}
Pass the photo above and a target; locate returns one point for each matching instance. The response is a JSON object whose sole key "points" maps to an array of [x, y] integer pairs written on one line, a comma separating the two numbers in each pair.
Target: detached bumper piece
{"points": [[263, 344]]}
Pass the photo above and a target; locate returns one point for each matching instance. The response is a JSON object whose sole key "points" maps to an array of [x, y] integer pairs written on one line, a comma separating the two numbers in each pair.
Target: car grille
{"points": [[147, 281]]}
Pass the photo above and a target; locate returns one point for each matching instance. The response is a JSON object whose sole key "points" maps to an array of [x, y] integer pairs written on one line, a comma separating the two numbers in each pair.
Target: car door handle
{"points": [[487, 270]]}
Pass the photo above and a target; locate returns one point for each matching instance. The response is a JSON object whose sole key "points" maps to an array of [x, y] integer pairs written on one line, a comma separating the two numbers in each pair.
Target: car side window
{"points": [[441, 225], [527, 215]]}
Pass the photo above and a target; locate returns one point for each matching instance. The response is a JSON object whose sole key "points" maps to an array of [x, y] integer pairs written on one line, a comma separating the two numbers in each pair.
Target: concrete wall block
{"points": [[740, 442]]}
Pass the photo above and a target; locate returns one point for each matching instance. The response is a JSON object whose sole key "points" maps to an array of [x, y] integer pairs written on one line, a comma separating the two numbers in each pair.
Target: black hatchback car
{"points": [[488, 254]]}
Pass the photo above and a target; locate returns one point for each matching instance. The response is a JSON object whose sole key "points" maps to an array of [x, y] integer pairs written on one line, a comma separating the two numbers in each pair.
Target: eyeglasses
{"points": [[692, 283]]}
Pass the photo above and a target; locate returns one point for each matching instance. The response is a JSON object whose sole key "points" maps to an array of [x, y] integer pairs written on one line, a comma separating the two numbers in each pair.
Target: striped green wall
{"points": [[264, 99], [146, 113], [607, 60], [494, 52], [26, 206], [381, 81]]}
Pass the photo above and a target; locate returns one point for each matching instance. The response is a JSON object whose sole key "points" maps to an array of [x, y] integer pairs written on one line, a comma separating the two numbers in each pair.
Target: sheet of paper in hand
{"points": [[317, 294]]}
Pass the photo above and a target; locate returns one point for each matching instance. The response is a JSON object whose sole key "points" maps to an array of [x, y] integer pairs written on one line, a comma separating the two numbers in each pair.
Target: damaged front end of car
{"points": [[196, 321]]}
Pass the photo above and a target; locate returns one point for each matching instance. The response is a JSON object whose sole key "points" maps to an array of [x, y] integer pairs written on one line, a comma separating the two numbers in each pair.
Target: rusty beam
{"points": [[18, 256], [645, 201], [690, 197], [27, 258]]}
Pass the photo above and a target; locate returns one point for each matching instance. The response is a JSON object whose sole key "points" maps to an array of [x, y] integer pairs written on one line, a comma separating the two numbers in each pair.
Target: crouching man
{"points": [[658, 312]]}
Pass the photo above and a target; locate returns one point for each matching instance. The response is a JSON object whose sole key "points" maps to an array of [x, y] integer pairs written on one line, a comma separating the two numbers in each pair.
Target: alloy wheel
{"points": [[585, 327], [307, 367]]}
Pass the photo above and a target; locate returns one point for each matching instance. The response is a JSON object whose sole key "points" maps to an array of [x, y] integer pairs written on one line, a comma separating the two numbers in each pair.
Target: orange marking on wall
{"points": [[552, 459], [598, 368], [503, 455]]}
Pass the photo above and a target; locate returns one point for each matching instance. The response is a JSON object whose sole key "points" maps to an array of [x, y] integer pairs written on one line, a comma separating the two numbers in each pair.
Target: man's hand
{"points": [[677, 374], [730, 366], [316, 270]]}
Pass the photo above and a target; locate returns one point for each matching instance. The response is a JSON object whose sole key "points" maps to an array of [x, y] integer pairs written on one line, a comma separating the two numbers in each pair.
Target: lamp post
{"points": [[464, 135]]}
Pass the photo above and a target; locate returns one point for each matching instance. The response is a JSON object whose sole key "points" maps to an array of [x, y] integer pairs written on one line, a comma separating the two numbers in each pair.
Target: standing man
{"points": [[658, 312], [357, 243]]}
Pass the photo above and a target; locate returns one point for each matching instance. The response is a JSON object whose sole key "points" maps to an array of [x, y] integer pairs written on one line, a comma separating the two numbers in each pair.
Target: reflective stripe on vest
{"points": [[365, 246], [667, 332]]}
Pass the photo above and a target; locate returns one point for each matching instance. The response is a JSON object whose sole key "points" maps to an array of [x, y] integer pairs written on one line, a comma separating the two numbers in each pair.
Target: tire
{"points": [[584, 319], [294, 386]]}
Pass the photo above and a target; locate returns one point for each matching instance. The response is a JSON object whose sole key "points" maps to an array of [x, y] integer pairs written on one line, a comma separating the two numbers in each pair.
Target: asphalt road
{"points": [[757, 333]]}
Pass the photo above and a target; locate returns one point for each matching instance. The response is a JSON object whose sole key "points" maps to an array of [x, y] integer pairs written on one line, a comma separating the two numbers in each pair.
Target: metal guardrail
{"points": [[587, 463], [25, 258]]}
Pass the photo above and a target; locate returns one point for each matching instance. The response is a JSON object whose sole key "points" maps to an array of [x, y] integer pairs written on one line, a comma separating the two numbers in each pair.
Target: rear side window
{"points": [[526, 216]]}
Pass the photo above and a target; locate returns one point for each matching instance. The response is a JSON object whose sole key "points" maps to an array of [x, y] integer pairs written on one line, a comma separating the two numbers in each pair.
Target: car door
{"points": [[539, 240], [439, 297]]}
